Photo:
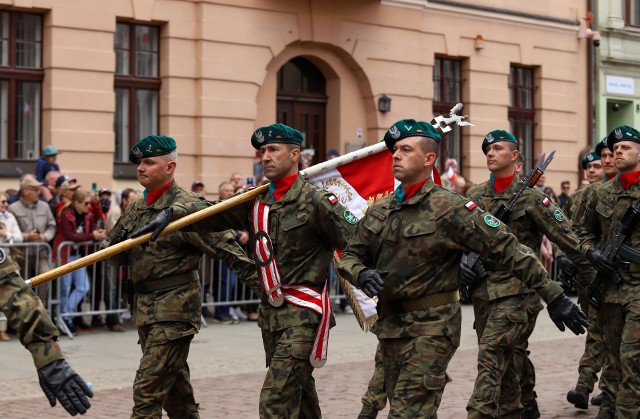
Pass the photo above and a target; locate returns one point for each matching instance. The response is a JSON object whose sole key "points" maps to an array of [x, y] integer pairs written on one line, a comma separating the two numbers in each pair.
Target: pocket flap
{"points": [[420, 228], [436, 380], [293, 222]]}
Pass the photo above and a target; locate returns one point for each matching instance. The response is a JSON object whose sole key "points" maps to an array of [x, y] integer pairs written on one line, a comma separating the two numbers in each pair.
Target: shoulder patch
{"points": [[332, 198], [470, 205], [351, 219], [3, 255], [546, 201], [559, 215], [491, 221]]}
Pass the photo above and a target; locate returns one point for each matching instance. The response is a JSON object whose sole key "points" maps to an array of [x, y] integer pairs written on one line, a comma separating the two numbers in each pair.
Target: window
{"points": [[632, 12], [522, 112], [21, 76], [447, 91], [137, 85]]}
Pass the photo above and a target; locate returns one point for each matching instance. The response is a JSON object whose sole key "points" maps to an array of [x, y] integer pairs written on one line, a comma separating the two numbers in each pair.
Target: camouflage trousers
{"points": [[612, 320], [594, 352], [375, 398], [503, 327], [622, 328], [415, 373], [289, 390], [162, 379]]}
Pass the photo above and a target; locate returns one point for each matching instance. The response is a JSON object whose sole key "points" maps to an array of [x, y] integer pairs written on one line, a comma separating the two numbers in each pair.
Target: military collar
{"points": [[489, 190], [292, 194], [166, 199], [415, 199]]}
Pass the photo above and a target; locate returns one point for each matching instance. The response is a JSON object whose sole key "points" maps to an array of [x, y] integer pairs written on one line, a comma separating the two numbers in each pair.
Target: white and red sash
{"points": [[299, 295]]}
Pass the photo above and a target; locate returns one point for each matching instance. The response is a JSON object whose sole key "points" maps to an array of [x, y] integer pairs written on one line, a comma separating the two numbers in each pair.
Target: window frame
{"points": [[627, 13], [14, 75], [134, 83], [518, 113], [443, 107]]}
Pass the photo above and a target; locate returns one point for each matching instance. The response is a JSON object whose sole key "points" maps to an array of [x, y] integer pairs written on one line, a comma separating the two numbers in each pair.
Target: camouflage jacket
{"points": [[306, 226], [420, 243], [173, 254], [26, 314], [533, 216], [608, 204]]}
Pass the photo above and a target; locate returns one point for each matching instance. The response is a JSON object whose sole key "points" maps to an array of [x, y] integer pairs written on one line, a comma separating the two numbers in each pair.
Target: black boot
{"points": [[530, 410], [579, 397], [596, 400]]}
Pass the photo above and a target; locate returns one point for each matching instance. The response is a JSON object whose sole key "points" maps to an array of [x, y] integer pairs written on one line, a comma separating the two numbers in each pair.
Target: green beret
{"points": [[276, 133], [151, 146], [409, 128], [622, 133], [601, 144], [496, 136], [593, 156]]}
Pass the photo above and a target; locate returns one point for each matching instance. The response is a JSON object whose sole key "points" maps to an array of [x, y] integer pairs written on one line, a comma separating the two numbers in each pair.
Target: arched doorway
{"points": [[301, 103]]}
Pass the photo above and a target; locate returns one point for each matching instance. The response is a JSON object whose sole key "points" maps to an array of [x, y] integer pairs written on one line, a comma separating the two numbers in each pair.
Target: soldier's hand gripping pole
{"points": [[132, 242]]}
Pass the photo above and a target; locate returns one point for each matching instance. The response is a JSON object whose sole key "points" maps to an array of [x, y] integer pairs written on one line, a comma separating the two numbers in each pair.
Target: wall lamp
{"points": [[384, 103]]}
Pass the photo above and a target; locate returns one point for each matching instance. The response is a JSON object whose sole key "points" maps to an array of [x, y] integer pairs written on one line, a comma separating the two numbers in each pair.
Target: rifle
{"points": [[610, 246], [504, 212]]}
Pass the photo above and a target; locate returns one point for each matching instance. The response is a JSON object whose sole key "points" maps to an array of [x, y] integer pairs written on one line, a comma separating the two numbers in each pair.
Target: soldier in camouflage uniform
{"points": [[407, 250], [607, 206], [306, 224], [166, 300], [594, 354], [375, 398], [506, 309], [36, 331]]}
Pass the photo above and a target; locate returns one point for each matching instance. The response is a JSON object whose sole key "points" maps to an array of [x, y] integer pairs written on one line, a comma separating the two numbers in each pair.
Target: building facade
{"points": [[618, 65], [91, 77]]}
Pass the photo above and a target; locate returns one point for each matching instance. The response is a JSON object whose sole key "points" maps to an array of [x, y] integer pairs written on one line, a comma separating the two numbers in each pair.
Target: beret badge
{"points": [[136, 152], [259, 136], [489, 138], [618, 134], [395, 132]]}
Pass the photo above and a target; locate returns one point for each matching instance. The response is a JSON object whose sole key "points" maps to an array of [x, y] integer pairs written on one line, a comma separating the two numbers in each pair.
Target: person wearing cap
{"points": [[165, 293], [104, 196], [407, 250], [47, 162], [65, 193], [197, 188], [28, 317], [332, 154], [505, 310], [608, 205], [593, 358], [300, 225], [38, 226]]}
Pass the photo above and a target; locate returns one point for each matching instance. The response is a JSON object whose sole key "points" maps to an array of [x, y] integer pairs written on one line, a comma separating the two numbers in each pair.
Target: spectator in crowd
{"points": [[332, 154], [47, 162], [197, 188], [9, 233], [104, 195], [66, 191], [51, 189], [236, 180], [116, 276], [77, 225], [459, 185], [306, 159], [14, 196], [258, 171], [541, 182], [37, 225], [450, 173], [565, 189]]}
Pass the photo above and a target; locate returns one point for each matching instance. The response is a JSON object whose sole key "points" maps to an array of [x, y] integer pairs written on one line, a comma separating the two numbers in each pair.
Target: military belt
{"points": [[146, 287], [430, 301]]}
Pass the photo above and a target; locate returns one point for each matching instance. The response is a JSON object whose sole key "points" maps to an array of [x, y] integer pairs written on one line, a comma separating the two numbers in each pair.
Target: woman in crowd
{"points": [[9, 233]]}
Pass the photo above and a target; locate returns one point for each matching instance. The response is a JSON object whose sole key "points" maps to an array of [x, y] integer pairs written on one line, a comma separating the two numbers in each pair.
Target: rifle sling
{"points": [[629, 254]]}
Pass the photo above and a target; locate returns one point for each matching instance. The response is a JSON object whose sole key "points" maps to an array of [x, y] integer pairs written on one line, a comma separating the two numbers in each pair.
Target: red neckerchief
{"points": [[500, 184], [413, 189], [153, 196], [627, 180], [283, 185]]}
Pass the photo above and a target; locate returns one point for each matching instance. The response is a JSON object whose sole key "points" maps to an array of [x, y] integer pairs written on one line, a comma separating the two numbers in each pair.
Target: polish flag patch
{"points": [[470, 205], [333, 199], [546, 201]]}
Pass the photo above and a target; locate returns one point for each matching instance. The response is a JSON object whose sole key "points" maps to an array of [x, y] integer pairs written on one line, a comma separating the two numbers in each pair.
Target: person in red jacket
{"points": [[76, 224]]}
